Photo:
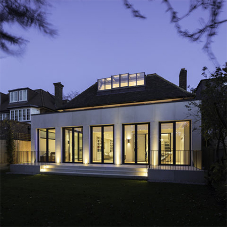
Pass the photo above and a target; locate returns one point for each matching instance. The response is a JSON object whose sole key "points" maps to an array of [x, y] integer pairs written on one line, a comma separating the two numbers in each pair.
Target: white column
{"points": [[58, 145], [154, 134], [118, 144], [86, 144]]}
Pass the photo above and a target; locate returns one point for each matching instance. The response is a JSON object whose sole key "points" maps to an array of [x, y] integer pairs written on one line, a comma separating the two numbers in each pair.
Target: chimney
{"points": [[183, 79], [58, 94]]}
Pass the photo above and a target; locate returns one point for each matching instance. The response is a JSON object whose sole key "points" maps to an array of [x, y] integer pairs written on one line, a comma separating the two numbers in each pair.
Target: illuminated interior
{"points": [[73, 144], [121, 80], [47, 145], [136, 142], [102, 144], [180, 154]]}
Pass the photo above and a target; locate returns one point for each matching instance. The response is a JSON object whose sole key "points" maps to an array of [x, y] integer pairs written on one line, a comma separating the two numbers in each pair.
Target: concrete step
{"points": [[97, 171], [92, 174]]}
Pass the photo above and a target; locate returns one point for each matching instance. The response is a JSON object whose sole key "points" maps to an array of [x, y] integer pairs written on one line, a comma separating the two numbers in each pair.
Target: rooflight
{"points": [[121, 80]]}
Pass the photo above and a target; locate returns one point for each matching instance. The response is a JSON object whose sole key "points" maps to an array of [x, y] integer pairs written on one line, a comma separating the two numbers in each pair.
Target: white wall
{"points": [[153, 113]]}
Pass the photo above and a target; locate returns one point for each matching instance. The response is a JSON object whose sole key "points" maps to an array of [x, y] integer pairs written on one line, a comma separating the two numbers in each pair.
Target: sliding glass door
{"points": [[102, 150], [136, 143], [73, 144]]}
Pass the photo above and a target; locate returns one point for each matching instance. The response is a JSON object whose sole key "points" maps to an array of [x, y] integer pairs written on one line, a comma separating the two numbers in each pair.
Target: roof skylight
{"points": [[121, 81]]}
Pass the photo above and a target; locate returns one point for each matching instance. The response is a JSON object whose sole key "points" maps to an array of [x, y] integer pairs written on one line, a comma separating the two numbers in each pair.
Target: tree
{"points": [[27, 14], [213, 108], [208, 28], [71, 95]]}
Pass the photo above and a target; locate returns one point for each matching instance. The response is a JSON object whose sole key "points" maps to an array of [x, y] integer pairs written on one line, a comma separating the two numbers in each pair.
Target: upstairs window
{"points": [[18, 96], [121, 81]]}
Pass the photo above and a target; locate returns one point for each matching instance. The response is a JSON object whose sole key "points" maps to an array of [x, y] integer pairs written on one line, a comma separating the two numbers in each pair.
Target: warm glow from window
{"points": [[121, 81]]}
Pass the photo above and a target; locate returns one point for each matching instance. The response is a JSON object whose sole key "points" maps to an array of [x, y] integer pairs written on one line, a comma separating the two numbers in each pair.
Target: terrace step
{"points": [[98, 171]]}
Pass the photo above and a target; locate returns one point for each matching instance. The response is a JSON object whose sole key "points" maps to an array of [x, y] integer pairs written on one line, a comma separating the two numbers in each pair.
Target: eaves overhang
{"points": [[127, 104]]}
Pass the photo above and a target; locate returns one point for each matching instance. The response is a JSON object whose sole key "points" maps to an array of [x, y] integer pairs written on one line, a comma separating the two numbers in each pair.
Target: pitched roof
{"points": [[36, 98], [156, 88]]}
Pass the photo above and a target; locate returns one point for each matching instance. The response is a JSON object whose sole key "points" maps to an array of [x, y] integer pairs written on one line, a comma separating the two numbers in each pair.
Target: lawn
{"points": [[52, 200]]}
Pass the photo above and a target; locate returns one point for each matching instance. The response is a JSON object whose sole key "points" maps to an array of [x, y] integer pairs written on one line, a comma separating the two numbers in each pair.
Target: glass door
{"points": [[136, 143], [102, 144]]}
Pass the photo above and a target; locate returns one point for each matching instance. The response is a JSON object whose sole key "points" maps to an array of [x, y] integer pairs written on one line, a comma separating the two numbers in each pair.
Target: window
{"points": [[4, 116], [12, 114], [16, 96], [20, 115], [102, 144], [122, 80], [136, 143], [23, 95], [174, 147], [28, 115], [16, 115], [73, 144], [46, 145]]}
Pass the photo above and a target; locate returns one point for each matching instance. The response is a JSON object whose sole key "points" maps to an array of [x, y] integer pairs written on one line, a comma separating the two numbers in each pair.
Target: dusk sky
{"points": [[100, 38]]}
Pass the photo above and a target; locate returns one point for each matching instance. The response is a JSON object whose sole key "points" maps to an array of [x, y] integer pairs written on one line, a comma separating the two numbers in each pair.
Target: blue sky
{"points": [[100, 38]]}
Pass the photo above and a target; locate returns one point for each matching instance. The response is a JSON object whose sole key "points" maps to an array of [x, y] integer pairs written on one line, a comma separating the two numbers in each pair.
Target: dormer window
{"points": [[121, 81], [18, 96]]}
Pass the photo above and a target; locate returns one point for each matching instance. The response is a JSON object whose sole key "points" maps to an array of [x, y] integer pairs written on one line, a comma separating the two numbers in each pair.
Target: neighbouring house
{"points": [[126, 121], [19, 104], [16, 109]]}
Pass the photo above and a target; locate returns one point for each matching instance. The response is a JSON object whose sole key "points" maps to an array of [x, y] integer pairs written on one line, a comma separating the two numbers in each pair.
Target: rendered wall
{"points": [[152, 113]]}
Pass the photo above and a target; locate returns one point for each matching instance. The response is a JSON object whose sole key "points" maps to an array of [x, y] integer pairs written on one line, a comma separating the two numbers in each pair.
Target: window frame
{"points": [[73, 144], [136, 147], [47, 145], [174, 143], [102, 149]]}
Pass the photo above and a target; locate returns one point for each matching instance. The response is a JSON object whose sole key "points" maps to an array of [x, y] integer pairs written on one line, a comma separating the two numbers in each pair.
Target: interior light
{"points": [[128, 140]]}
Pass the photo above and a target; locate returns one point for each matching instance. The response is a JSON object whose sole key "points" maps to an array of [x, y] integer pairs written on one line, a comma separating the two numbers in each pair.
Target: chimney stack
{"points": [[183, 79], [58, 94]]}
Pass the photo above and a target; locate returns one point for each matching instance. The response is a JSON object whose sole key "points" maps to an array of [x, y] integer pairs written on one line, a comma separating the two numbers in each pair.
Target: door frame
{"points": [[102, 147], [135, 149]]}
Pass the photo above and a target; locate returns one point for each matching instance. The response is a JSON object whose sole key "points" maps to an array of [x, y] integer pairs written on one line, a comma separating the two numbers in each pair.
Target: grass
{"points": [[52, 200]]}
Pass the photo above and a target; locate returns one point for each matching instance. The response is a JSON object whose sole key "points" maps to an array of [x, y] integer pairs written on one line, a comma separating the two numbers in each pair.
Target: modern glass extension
{"points": [[136, 143], [174, 143], [102, 144], [46, 145], [73, 144]]}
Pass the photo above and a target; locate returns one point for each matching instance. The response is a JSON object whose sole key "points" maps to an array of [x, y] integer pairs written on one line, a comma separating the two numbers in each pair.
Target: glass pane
{"points": [[183, 143], [108, 144], [24, 114], [28, 114], [80, 158], [140, 79], [20, 95], [16, 115], [108, 83], [124, 80], [42, 145], [142, 143], [78, 145], [12, 114], [20, 115], [24, 95], [97, 144], [115, 81], [51, 145], [68, 145], [167, 143], [101, 84], [129, 144], [132, 80]]}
